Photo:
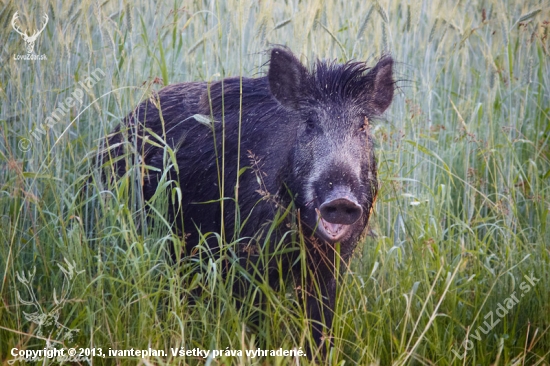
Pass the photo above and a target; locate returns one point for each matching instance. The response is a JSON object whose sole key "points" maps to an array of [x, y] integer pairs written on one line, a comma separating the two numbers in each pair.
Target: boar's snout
{"points": [[341, 210], [337, 213], [340, 207]]}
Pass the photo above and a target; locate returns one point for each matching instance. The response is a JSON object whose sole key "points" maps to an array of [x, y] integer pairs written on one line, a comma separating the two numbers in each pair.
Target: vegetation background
{"points": [[464, 162]]}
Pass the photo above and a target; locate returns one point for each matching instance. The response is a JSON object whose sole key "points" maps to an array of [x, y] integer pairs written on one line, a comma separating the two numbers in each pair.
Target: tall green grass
{"points": [[464, 165]]}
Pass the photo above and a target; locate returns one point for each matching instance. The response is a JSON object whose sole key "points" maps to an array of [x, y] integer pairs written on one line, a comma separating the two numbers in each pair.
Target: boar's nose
{"points": [[341, 209]]}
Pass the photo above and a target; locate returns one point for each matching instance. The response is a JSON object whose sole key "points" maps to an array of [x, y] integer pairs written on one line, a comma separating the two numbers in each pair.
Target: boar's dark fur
{"points": [[305, 133]]}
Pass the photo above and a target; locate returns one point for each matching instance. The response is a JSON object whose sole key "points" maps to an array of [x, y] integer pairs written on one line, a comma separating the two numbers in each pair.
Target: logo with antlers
{"points": [[29, 40]]}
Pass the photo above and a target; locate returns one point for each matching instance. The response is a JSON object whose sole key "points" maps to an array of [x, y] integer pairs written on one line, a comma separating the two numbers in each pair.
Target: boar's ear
{"points": [[382, 85], [287, 77]]}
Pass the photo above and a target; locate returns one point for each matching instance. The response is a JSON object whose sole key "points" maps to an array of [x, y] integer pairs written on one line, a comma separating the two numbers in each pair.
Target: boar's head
{"points": [[332, 167]]}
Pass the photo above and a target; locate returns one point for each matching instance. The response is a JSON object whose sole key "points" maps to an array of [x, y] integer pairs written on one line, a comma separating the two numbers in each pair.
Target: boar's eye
{"points": [[310, 125], [365, 126]]}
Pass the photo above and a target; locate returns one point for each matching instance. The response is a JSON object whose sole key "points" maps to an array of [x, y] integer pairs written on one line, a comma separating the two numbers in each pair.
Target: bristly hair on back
{"points": [[370, 87], [339, 80]]}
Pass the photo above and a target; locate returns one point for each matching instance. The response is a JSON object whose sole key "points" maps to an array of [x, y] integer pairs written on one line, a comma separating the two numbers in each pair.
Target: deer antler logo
{"points": [[48, 321], [28, 39]]}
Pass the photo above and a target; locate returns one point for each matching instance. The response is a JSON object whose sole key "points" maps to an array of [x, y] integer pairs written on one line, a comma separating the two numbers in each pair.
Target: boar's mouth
{"points": [[328, 230], [335, 218]]}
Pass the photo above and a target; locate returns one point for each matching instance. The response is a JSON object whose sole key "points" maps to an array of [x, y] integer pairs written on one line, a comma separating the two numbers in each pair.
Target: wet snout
{"points": [[340, 207]]}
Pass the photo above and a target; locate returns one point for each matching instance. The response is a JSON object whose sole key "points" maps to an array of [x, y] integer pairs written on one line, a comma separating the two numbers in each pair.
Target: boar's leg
{"points": [[320, 286], [320, 306]]}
